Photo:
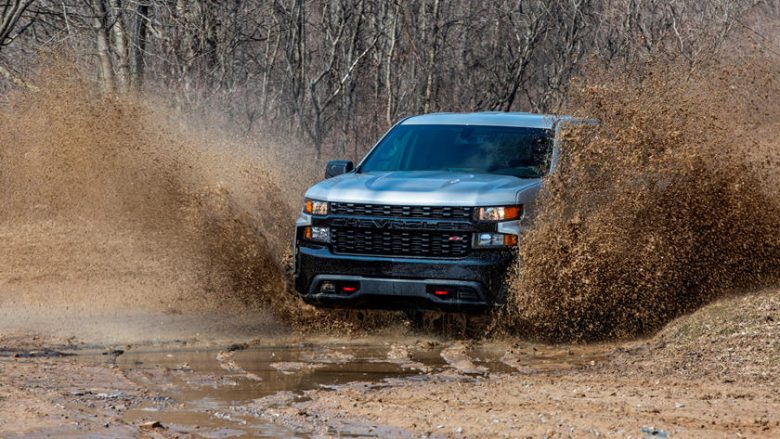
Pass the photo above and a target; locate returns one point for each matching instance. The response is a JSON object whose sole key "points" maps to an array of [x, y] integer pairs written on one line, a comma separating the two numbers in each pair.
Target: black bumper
{"points": [[474, 283]]}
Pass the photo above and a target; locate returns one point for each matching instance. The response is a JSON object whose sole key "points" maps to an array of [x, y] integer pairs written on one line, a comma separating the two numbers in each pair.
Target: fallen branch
{"points": [[16, 80]]}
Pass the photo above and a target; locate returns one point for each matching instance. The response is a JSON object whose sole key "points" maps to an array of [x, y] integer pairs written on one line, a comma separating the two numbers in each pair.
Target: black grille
{"points": [[387, 210], [400, 243]]}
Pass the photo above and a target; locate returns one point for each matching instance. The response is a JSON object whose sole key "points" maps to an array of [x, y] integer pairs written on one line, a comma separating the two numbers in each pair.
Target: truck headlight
{"points": [[494, 240], [499, 213], [314, 207], [319, 234]]}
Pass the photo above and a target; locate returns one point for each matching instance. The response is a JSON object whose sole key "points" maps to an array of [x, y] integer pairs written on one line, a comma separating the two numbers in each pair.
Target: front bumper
{"points": [[477, 281]]}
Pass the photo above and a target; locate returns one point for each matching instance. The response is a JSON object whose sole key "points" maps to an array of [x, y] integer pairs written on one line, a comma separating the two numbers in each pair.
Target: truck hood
{"points": [[426, 188]]}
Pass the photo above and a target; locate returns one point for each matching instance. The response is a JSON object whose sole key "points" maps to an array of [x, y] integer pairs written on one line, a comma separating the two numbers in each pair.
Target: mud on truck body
{"points": [[430, 219]]}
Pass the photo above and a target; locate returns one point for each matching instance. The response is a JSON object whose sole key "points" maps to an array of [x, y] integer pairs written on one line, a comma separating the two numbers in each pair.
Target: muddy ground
{"points": [[711, 374]]}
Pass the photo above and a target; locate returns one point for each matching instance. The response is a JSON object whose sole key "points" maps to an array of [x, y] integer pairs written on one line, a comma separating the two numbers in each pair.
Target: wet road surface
{"points": [[232, 392]]}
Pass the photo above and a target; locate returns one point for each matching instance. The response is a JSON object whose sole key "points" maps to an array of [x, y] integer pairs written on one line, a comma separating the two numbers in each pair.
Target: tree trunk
{"points": [[119, 33], [139, 43], [11, 13], [105, 67], [432, 58], [390, 101]]}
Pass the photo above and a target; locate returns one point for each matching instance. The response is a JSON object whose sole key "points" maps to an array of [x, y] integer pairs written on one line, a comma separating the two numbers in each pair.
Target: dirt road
{"points": [[712, 374]]}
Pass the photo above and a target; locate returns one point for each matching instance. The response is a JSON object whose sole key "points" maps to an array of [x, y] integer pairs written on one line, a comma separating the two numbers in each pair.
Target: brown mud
{"points": [[113, 206], [669, 203], [121, 206], [117, 203], [697, 378]]}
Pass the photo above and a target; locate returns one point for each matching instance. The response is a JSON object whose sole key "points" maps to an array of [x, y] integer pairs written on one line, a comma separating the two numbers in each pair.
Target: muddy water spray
{"points": [[134, 208], [112, 202], [670, 203]]}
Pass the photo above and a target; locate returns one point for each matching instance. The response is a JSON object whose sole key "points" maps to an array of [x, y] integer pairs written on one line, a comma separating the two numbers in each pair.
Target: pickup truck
{"points": [[430, 219]]}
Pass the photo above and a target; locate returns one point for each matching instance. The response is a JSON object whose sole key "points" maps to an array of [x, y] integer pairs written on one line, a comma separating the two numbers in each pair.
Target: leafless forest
{"points": [[337, 73]]}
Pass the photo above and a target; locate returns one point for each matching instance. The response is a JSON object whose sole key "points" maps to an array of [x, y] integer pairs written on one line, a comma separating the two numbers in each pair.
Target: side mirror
{"points": [[338, 167]]}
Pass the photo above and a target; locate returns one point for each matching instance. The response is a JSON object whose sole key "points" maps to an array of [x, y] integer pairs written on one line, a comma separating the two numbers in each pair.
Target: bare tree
{"points": [[12, 11], [120, 48], [140, 26], [338, 72], [100, 26]]}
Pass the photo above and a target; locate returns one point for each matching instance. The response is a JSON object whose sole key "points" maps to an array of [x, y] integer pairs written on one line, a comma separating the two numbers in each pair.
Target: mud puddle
{"points": [[240, 391]]}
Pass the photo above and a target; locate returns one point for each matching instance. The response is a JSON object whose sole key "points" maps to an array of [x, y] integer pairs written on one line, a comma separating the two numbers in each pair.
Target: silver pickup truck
{"points": [[430, 219]]}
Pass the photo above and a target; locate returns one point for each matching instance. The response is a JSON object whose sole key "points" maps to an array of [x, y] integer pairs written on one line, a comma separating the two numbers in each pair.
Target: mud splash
{"points": [[115, 203], [263, 384], [119, 207], [112, 203], [669, 204]]}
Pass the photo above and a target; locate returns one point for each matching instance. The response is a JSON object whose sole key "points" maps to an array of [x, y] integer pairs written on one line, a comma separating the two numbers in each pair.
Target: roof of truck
{"points": [[527, 120]]}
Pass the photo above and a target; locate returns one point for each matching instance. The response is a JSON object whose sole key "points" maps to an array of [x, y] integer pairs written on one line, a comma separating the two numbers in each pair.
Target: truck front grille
{"points": [[400, 243], [387, 210]]}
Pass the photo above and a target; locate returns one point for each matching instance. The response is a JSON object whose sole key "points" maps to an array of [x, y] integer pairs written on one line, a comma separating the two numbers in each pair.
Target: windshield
{"points": [[520, 152]]}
